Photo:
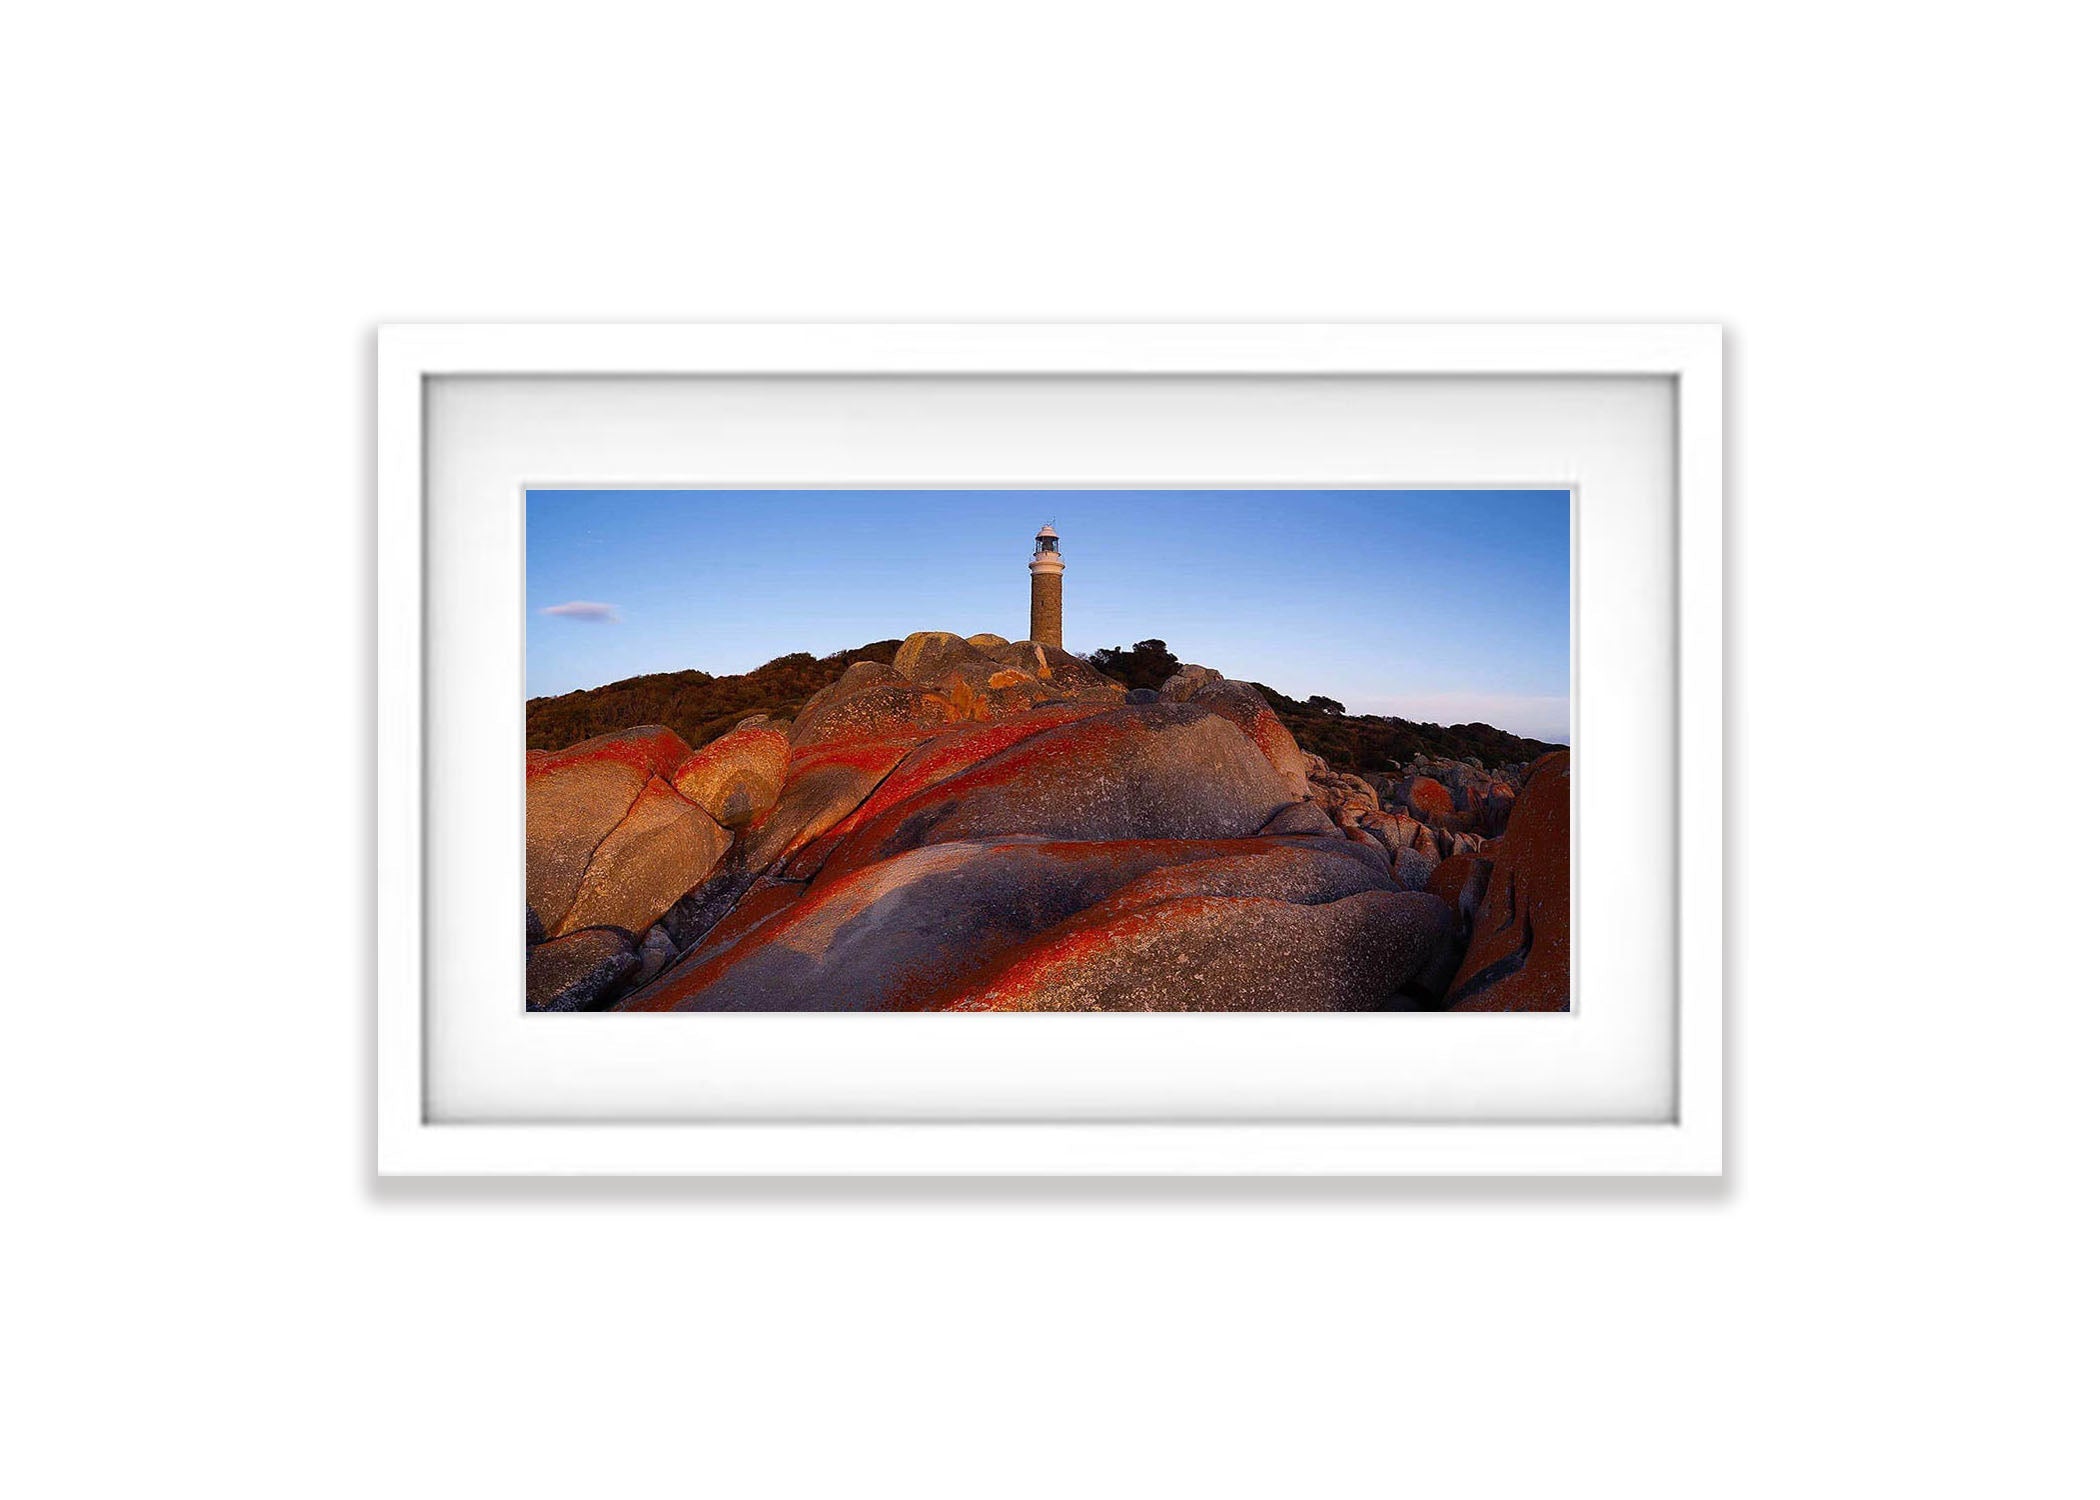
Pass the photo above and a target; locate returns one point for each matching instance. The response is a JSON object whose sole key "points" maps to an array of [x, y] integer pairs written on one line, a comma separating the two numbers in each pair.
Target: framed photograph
{"points": [[1086, 750]]}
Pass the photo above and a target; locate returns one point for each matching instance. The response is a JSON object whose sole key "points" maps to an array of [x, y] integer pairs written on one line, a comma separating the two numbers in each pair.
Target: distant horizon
{"points": [[1436, 606]]}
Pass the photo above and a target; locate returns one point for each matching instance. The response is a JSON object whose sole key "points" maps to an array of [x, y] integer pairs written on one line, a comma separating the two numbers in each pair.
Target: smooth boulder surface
{"points": [[905, 932], [870, 700], [574, 798], [738, 776], [1243, 704], [1520, 952], [1301, 817], [1184, 684], [1304, 872], [925, 653], [1208, 952], [663, 848], [1023, 656], [1167, 771]]}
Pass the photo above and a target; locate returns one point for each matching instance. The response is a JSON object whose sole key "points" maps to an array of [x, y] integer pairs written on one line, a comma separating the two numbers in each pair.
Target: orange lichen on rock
{"points": [[1520, 954], [886, 935], [1148, 771], [765, 903], [1429, 800], [924, 653], [896, 934], [945, 755], [651, 750], [824, 783], [573, 799], [994, 825], [1210, 952], [737, 776]]}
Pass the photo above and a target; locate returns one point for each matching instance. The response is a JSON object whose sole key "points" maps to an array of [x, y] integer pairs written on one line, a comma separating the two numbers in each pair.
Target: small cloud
{"points": [[583, 609]]}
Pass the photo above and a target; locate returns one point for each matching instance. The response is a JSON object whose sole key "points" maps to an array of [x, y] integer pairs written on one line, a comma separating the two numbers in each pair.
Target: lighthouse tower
{"points": [[1046, 592]]}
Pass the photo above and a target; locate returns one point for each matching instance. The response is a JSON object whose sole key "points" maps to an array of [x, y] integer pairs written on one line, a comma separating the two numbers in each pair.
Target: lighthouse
{"points": [[1046, 592]]}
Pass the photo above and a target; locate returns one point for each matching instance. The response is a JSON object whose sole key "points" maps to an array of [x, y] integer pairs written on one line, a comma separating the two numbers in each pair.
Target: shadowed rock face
{"points": [[1519, 956], [990, 825], [574, 972]]}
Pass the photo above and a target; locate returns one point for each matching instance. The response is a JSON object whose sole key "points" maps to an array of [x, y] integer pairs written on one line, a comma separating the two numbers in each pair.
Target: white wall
{"points": [[211, 205]]}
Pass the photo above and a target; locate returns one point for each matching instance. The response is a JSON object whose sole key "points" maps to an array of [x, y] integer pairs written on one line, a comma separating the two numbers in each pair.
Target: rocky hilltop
{"points": [[980, 824], [702, 705], [698, 705]]}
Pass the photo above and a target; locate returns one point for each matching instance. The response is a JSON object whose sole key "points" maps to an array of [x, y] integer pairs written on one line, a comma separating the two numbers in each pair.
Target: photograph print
{"points": [[1048, 750]]}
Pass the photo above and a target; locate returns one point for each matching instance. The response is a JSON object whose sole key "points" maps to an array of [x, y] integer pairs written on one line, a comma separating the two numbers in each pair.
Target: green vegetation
{"points": [[1148, 664]]}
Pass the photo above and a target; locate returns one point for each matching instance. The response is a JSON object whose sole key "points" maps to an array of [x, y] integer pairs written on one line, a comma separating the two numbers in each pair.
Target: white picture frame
{"points": [[1686, 1140]]}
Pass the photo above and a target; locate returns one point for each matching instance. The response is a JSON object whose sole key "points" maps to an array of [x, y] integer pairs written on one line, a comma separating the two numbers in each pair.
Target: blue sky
{"points": [[1441, 605]]}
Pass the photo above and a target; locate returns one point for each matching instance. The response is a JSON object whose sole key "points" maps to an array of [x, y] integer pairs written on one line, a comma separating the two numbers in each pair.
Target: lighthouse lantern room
{"points": [[1046, 592]]}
